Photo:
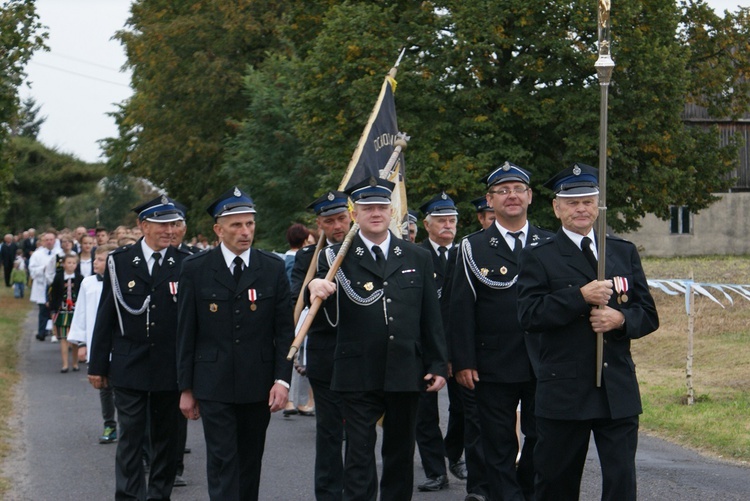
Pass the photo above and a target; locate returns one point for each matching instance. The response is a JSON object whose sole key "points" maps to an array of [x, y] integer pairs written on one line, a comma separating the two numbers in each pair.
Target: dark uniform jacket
{"points": [[551, 305], [143, 357], [443, 279], [321, 338], [485, 333], [390, 333], [58, 291], [232, 349]]}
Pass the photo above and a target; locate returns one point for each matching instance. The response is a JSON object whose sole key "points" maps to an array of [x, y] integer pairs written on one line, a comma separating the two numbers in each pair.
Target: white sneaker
{"points": [[53, 339]]}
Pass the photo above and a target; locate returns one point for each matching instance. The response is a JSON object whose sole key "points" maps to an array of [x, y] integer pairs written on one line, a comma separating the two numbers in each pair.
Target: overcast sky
{"points": [[79, 80]]}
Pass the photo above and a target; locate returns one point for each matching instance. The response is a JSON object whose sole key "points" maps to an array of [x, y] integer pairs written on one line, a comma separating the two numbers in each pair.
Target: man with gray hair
{"points": [[41, 260]]}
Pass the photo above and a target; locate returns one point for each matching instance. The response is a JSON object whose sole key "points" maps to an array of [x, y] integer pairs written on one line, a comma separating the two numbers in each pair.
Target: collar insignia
{"points": [[171, 261], [136, 260], [493, 242], [535, 237], [397, 250], [359, 251]]}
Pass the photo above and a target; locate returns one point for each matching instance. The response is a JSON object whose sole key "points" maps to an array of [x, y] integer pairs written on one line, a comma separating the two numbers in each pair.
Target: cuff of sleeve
{"points": [[282, 383]]}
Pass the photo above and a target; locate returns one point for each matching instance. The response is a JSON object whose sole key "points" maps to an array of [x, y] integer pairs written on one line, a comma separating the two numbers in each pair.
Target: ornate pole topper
{"points": [[604, 66]]}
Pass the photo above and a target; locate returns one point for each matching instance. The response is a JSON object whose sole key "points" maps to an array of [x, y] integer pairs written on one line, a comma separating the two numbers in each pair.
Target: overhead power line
{"points": [[79, 60], [79, 74]]}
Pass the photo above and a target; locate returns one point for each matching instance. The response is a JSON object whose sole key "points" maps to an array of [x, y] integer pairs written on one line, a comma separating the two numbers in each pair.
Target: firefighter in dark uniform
{"points": [[440, 221], [333, 221], [235, 327], [562, 304], [133, 349], [489, 353], [389, 345]]}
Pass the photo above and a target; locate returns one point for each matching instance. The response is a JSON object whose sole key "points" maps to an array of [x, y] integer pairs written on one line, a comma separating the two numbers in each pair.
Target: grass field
{"points": [[12, 314], [719, 421]]}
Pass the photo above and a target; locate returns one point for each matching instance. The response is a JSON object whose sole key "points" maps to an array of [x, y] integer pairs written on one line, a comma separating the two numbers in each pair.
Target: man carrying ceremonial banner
{"points": [[379, 154], [379, 151]]}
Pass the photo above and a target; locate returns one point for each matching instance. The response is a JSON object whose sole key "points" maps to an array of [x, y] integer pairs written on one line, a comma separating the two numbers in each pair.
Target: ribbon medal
{"points": [[252, 295], [621, 286], [173, 290]]}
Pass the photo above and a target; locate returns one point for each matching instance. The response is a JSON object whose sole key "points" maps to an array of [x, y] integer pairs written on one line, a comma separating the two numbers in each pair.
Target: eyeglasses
{"points": [[504, 192]]}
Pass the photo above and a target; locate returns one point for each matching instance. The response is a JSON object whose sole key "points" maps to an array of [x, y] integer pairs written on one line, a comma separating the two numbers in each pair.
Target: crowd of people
{"points": [[507, 320]]}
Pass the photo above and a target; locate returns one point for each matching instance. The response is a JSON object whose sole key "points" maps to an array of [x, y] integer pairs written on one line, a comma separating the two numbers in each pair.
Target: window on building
{"points": [[680, 221]]}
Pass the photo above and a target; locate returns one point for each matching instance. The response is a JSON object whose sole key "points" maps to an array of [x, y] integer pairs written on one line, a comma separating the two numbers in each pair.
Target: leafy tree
{"points": [[487, 81], [21, 35], [719, 58], [42, 178], [268, 156], [29, 123], [188, 60]]}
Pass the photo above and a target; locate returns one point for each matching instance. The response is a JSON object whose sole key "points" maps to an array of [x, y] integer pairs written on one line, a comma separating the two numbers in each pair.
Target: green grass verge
{"points": [[13, 314]]}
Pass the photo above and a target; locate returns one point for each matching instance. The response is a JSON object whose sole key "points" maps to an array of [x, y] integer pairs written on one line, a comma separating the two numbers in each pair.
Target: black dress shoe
{"points": [[475, 497], [458, 469], [434, 484]]}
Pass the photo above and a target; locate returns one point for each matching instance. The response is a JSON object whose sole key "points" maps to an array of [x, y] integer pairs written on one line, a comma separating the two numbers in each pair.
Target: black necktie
{"points": [[589, 254], [237, 268], [443, 253], [519, 245], [155, 267], [379, 258]]}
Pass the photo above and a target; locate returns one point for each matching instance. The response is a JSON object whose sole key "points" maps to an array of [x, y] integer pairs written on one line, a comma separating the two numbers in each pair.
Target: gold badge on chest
{"points": [[131, 284], [213, 307], [368, 286]]}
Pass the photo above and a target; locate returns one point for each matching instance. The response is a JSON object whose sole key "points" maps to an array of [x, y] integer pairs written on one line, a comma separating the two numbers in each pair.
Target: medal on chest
{"points": [[252, 295], [621, 287]]}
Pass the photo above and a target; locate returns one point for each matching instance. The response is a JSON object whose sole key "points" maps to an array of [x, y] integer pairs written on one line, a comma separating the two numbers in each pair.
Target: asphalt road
{"points": [[56, 456]]}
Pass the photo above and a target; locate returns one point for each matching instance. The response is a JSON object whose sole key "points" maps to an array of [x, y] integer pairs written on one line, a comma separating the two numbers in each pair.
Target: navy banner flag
{"points": [[375, 148]]}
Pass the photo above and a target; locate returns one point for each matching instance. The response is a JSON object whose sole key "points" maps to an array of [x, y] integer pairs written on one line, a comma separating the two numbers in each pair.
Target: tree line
{"points": [[273, 96]]}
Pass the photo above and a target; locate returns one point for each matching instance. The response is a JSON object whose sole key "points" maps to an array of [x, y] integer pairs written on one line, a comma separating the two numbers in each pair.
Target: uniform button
{"points": [[390, 337], [236, 326], [153, 306], [237, 312], [605, 365], [390, 319], [153, 323], [153, 344], [385, 284], [388, 300], [236, 341]]}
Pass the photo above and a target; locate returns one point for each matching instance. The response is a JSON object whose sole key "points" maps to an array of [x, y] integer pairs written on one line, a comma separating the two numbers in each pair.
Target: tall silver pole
{"points": [[604, 66]]}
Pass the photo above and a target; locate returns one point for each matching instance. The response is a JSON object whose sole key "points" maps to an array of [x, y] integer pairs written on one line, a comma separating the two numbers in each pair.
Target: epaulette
{"points": [[542, 243], [122, 248], [618, 239], [474, 233], [306, 249], [269, 254], [198, 255]]}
